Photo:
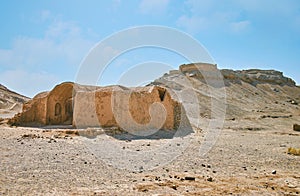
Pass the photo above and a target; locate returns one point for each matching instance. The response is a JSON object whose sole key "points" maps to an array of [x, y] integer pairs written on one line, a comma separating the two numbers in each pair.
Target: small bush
{"points": [[294, 151]]}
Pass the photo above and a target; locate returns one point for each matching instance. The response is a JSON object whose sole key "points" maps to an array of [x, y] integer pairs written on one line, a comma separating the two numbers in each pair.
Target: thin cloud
{"points": [[27, 82], [241, 26], [153, 6], [31, 63], [193, 24], [209, 16]]}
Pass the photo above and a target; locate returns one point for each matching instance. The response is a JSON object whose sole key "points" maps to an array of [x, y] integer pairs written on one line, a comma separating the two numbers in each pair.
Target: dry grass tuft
{"points": [[294, 151]]}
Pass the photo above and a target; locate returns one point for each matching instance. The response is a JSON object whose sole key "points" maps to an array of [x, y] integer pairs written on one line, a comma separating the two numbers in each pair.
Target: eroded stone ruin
{"points": [[91, 106]]}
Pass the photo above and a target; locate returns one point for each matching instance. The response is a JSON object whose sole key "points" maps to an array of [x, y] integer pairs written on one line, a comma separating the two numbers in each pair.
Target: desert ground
{"points": [[242, 162]]}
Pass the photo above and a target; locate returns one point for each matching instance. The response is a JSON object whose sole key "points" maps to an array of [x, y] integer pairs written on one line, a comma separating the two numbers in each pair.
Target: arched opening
{"points": [[57, 109]]}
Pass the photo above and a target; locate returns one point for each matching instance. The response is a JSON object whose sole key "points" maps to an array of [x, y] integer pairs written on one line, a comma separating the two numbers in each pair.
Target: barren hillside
{"points": [[10, 102], [254, 95]]}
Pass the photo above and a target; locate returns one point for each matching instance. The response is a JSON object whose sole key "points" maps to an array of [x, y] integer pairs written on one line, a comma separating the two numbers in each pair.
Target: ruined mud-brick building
{"points": [[91, 106]]}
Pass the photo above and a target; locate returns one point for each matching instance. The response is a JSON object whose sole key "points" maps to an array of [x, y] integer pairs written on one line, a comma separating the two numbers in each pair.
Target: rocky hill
{"points": [[248, 95], [10, 102]]}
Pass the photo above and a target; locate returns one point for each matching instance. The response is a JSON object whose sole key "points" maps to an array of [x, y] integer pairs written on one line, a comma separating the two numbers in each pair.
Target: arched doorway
{"points": [[59, 105], [57, 109]]}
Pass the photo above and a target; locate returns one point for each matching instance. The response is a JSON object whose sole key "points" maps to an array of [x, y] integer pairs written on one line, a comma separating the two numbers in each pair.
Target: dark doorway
{"points": [[162, 93]]}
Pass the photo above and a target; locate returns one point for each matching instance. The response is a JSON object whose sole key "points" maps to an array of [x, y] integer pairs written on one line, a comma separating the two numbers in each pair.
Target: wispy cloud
{"points": [[192, 24], [222, 21], [61, 41], [30, 59], [27, 82], [238, 27], [153, 6], [45, 15]]}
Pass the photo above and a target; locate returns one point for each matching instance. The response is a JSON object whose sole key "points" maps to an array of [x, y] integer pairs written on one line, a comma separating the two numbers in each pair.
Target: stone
{"points": [[274, 172], [294, 102], [190, 178], [174, 187]]}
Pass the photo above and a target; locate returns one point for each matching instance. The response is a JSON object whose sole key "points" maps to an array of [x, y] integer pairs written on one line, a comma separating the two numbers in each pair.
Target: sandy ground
{"points": [[248, 158]]}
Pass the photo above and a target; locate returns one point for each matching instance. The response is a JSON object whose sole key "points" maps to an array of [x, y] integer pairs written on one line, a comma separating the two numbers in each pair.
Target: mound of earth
{"points": [[10, 102], [245, 95]]}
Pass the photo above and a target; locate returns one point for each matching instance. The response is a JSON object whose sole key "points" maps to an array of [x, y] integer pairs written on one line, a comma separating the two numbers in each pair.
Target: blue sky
{"points": [[43, 42]]}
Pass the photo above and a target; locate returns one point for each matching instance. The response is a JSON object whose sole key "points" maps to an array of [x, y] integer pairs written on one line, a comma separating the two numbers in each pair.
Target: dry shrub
{"points": [[294, 151]]}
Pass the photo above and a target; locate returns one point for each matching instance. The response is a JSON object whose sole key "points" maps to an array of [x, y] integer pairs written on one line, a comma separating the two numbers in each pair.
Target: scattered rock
{"points": [[253, 128], [174, 187], [209, 179], [274, 172], [294, 103], [292, 186], [30, 136], [190, 178], [141, 169]]}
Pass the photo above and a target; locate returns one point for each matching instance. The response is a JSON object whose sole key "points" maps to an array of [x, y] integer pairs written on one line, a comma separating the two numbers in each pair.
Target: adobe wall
{"points": [[42, 110], [139, 107], [84, 114], [112, 106], [142, 108], [33, 113]]}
